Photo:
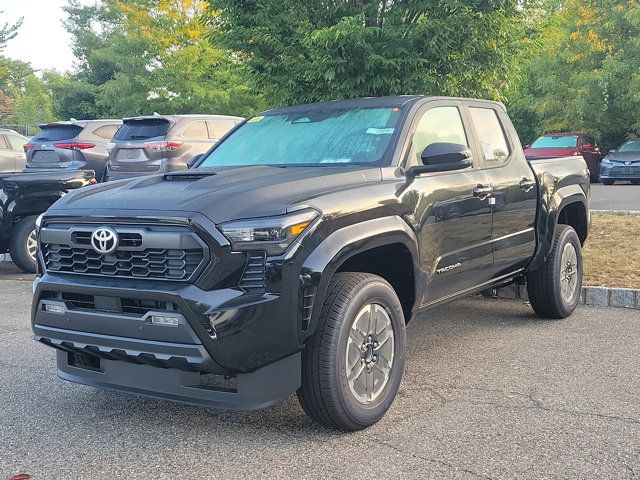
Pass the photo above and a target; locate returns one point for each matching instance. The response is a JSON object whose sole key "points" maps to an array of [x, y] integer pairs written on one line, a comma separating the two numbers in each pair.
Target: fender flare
{"points": [[347, 242], [552, 205], [17, 206]]}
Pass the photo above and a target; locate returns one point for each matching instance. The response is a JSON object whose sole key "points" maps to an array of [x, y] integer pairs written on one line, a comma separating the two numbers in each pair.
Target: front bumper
{"points": [[619, 172]]}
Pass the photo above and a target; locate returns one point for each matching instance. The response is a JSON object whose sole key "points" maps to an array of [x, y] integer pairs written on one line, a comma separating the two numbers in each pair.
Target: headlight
{"points": [[39, 222], [606, 161], [273, 234]]}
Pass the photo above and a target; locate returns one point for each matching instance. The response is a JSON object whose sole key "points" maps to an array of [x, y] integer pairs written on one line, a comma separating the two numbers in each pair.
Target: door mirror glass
{"points": [[191, 162], [443, 157]]}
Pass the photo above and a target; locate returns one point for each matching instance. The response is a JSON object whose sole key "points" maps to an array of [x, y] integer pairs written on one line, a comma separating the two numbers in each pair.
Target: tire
{"points": [[595, 178], [326, 394], [545, 285], [607, 181], [635, 182], [19, 247]]}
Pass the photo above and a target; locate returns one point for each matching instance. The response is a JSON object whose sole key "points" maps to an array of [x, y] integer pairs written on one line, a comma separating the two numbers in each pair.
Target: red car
{"points": [[565, 145]]}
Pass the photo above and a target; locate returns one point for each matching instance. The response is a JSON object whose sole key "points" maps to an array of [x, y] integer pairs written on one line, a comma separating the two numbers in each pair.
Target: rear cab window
{"points": [[492, 140], [55, 132], [141, 129]]}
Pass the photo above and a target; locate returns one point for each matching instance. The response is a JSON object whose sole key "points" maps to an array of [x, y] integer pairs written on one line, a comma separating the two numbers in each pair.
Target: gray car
{"points": [[163, 143], [72, 145], [12, 148]]}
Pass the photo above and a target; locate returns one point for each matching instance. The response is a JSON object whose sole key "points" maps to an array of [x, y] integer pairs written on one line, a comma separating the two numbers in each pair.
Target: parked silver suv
{"points": [[12, 148], [163, 143], [72, 145]]}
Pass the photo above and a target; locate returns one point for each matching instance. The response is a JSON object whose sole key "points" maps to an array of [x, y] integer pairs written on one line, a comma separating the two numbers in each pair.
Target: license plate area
{"points": [[45, 156]]}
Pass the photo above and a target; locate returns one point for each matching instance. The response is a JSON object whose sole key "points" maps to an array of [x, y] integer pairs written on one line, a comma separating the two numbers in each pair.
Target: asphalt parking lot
{"points": [[624, 196], [489, 392]]}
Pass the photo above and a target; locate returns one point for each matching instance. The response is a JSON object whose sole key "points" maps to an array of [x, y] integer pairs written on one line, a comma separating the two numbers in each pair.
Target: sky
{"points": [[42, 39]]}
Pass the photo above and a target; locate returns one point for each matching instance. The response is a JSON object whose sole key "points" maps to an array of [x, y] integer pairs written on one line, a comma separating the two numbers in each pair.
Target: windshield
{"points": [[632, 146], [347, 136], [556, 142]]}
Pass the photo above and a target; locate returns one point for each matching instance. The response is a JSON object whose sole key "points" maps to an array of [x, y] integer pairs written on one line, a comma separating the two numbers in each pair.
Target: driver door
{"points": [[452, 217]]}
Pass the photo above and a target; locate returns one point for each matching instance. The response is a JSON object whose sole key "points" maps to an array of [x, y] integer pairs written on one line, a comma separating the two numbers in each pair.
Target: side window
{"points": [[197, 129], [493, 142], [4, 145], [106, 131], [218, 128], [16, 143], [439, 124]]}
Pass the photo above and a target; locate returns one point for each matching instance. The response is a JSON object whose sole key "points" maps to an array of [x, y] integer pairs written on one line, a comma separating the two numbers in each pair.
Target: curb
{"points": [[618, 212], [591, 296]]}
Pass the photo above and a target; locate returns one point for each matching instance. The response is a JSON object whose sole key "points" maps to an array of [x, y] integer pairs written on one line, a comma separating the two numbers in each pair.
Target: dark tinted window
{"points": [[141, 129], [52, 133], [197, 129]]}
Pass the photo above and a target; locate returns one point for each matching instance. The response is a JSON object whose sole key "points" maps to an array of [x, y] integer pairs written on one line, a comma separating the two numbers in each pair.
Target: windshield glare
{"points": [[556, 142], [632, 146], [318, 137]]}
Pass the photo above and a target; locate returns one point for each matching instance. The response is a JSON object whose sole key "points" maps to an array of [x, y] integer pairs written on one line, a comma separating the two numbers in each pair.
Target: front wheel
{"points": [[353, 363], [554, 288], [23, 245]]}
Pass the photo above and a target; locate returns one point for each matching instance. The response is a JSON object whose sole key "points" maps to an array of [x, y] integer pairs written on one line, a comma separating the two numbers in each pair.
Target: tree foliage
{"points": [[585, 76], [300, 51], [8, 31], [139, 56]]}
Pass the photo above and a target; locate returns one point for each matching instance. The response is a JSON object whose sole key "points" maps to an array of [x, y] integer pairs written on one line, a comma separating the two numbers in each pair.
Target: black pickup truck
{"points": [[24, 196], [292, 254]]}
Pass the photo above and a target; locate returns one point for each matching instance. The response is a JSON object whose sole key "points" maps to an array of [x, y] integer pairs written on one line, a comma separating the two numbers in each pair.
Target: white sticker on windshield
{"points": [[488, 151], [380, 131]]}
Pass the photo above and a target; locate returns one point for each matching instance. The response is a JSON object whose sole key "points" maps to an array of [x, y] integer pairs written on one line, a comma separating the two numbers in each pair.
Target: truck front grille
{"points": [[151, 252]]}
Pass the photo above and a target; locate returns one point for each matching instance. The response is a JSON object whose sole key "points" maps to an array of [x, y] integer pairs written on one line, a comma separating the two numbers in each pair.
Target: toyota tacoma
{"points": [[293, 253]]}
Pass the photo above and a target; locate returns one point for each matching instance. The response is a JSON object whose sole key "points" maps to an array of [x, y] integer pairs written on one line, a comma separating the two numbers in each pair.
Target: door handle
{"points": [[527, 185], [482, 191]]}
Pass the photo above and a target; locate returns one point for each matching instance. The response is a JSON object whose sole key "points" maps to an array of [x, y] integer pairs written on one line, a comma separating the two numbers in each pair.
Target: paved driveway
{"points": [[624, 197], [489, 392]]}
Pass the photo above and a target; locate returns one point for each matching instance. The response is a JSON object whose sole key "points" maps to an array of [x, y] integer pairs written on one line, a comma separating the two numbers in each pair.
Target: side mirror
{"points": [[528, 145], [193, 160], [443, 157]]}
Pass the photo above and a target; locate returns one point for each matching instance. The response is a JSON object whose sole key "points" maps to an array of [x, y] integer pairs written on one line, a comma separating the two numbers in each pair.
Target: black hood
{"points": [[219, 194], [624, 156]]}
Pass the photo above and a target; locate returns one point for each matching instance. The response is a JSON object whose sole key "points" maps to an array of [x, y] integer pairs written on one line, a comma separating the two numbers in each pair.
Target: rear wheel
{"points": [[607, 181], [635, 182], [353, 364], [554, 288], [23, 245]]}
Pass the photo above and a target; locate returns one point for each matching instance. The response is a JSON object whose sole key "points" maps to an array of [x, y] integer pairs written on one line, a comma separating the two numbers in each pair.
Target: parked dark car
{"points": [[554, 145], [163, 143], [622, 163], [25, 196], [12, 155], [291, 257], [72, 145]]}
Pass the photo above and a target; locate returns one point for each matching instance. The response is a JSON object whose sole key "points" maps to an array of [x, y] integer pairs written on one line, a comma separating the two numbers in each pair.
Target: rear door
{"points": [[452, 215], [7, 156], [51, 147], [139, 145], [514, 197]]}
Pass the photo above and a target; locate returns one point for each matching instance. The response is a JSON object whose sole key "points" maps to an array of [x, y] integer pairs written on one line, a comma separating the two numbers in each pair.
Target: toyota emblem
{"points": [[129, 144], [43, 146], [104, 240]]}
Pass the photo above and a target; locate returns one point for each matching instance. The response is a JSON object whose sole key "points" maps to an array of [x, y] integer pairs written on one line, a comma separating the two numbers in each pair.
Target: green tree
{"points": [[300, 51], [139, 56], [585, 76]]}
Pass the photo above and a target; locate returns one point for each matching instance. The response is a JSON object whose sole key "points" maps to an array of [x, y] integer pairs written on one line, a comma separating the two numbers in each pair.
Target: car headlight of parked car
{"points": [[272, 234]]}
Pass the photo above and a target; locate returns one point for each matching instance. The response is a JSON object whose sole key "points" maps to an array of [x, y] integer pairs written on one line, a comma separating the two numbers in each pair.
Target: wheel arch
{"points": [[359, 247]]}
